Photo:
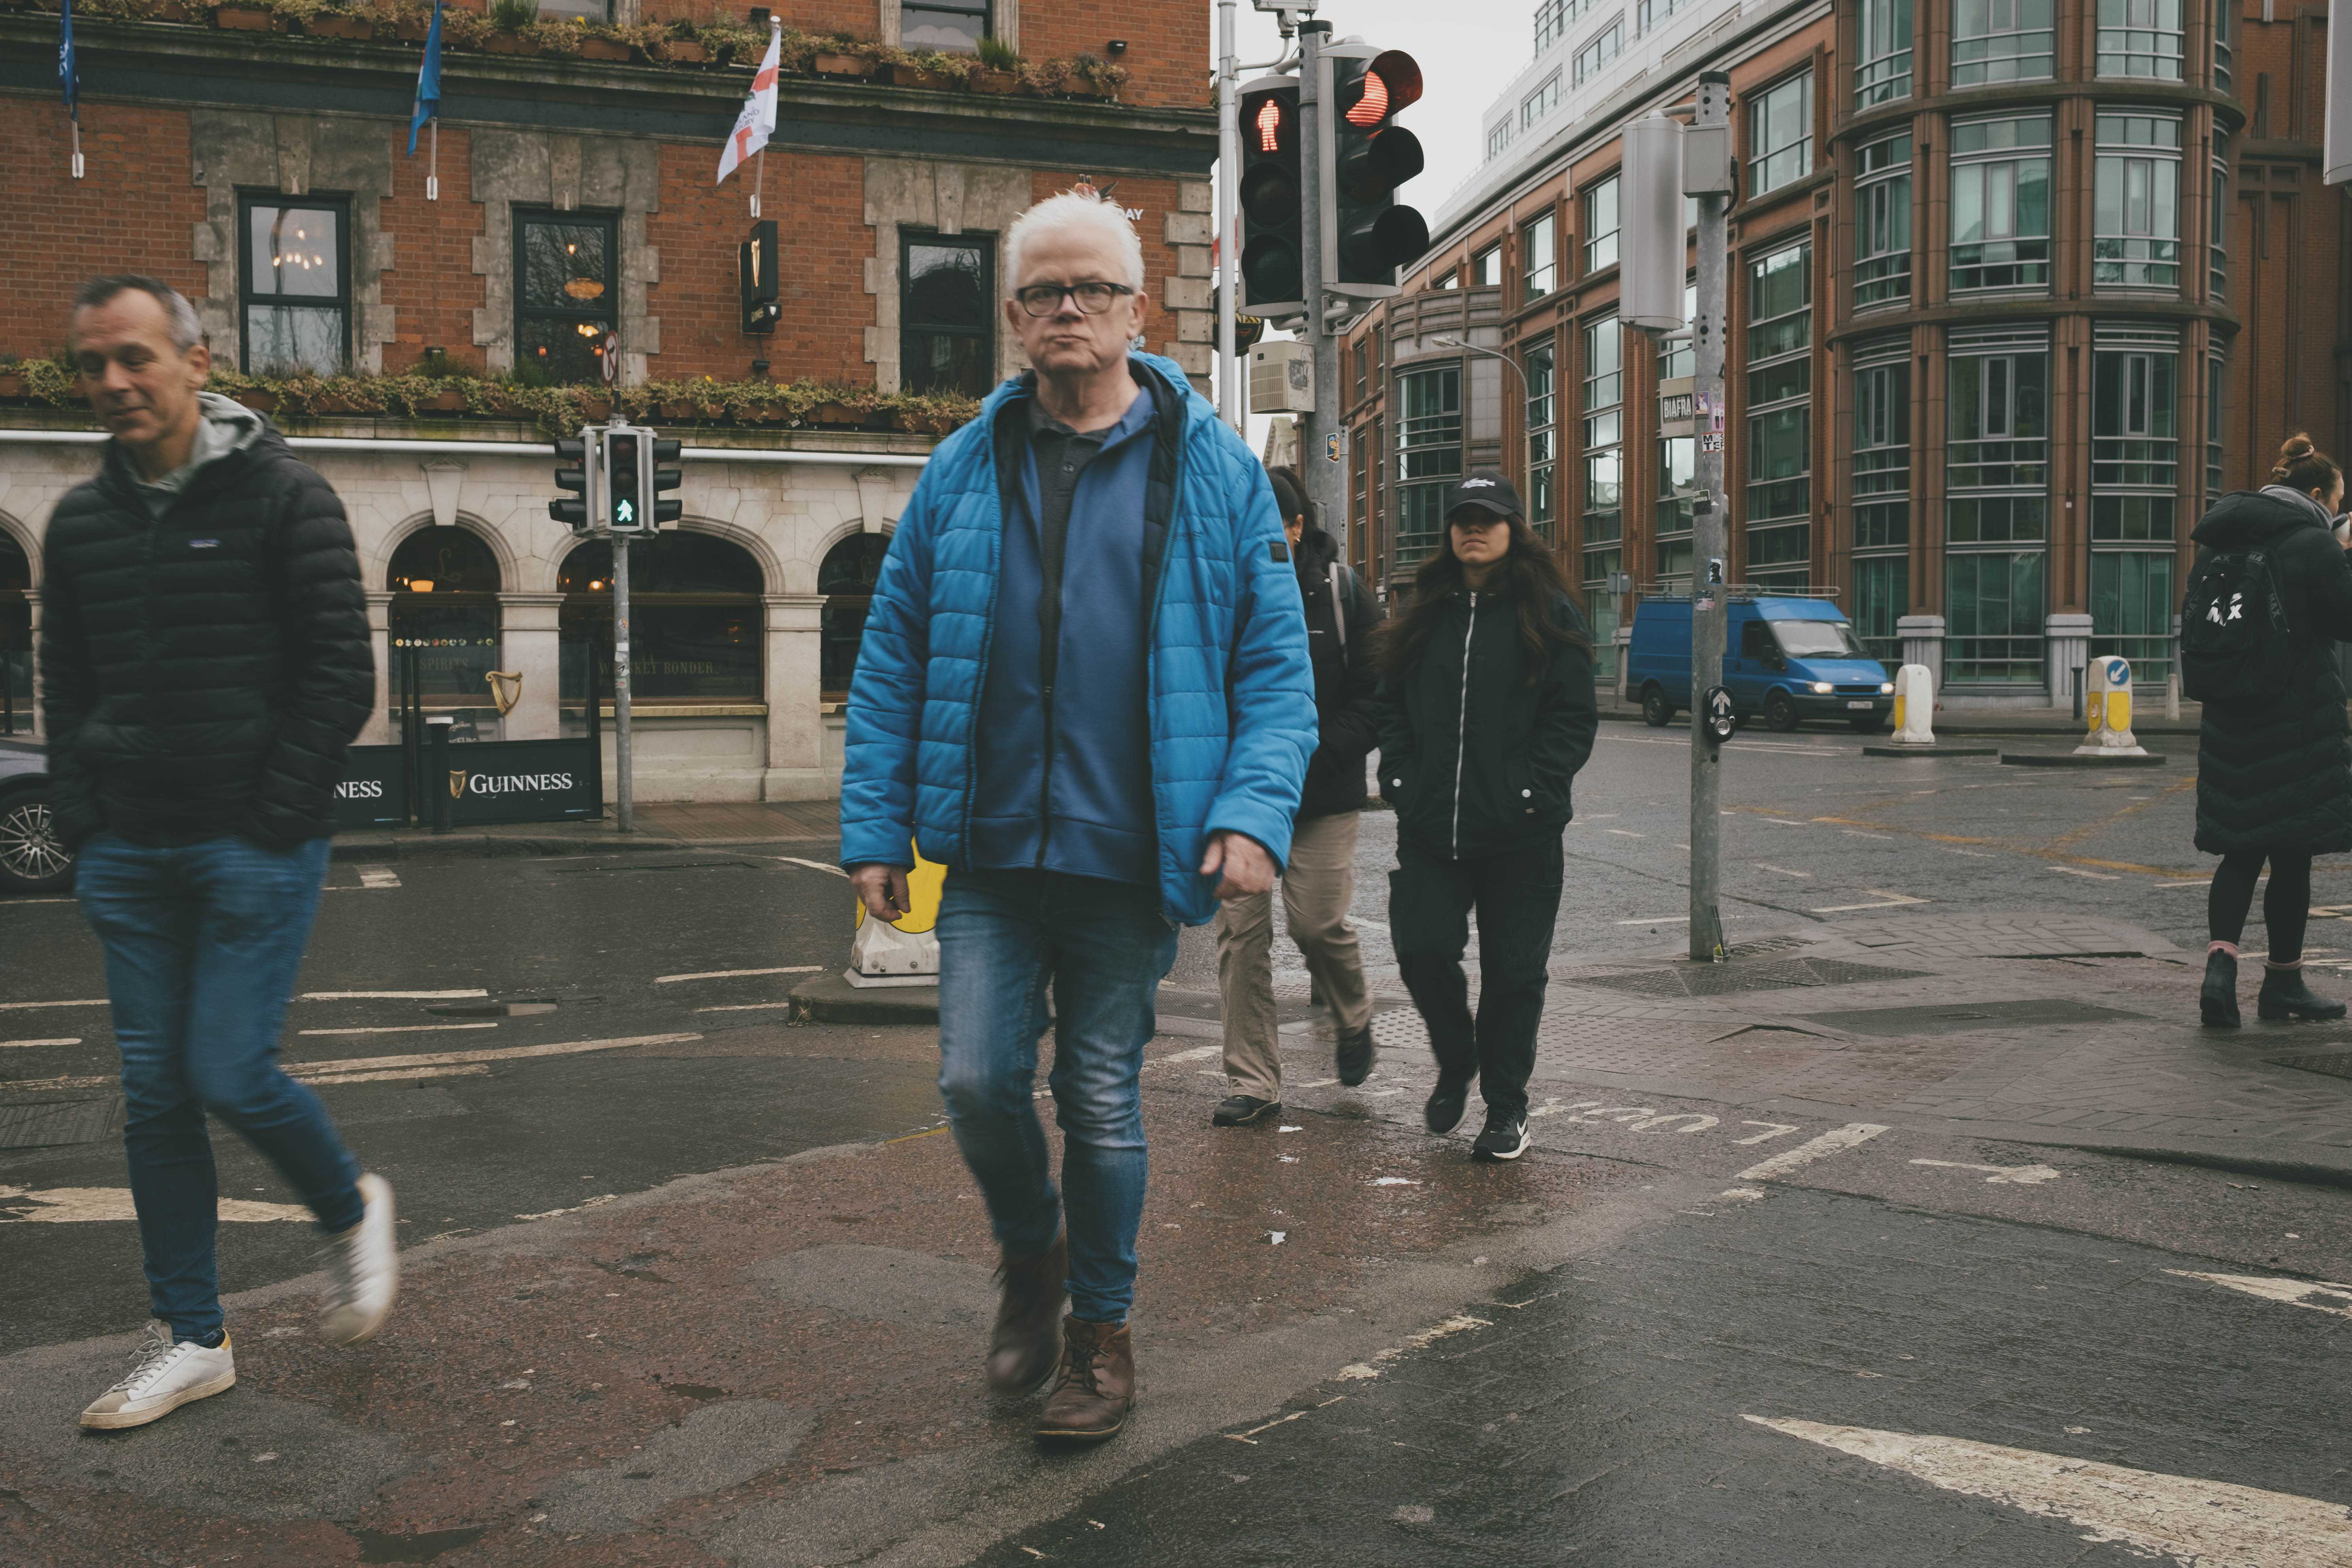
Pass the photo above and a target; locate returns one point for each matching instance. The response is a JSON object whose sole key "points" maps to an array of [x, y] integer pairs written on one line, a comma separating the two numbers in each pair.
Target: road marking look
{"points": [[1887, 901], [391, 995], [379, 876], [1659, 920], [812, 865], [399, 1029], [79, 1205], [1830, 1142], [20, 1006], [2014, 1176], [2182, 1517], [738, 973], [2078, 871], [62, 1040], [1760, 865], [2334, 1299], [315, 1071]]}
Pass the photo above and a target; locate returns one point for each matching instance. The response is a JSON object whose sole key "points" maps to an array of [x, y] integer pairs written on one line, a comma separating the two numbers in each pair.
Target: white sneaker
{"points": [[362, 1270], [162, 1377]]}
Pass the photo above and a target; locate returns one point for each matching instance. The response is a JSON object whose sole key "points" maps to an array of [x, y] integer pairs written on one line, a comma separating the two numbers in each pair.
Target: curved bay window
{"points": [[15, 640], [847, 577], [1997, 504], [445, 626], [697, 623]]}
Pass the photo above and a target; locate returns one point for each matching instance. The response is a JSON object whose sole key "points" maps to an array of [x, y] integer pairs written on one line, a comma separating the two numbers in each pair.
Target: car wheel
{"points": [[32, 860], [1779, 712], [1657, 711]]}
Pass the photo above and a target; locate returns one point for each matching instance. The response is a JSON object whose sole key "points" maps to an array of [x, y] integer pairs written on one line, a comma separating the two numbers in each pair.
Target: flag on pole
{"points": [[758, 121], [428, 81], [68, 73]]}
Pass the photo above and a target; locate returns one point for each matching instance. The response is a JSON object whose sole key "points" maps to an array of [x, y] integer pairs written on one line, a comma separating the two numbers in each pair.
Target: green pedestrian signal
{"points": [[625, 515]]}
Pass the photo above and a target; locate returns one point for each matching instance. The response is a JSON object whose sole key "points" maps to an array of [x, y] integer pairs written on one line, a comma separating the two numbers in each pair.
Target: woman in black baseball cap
{"points": [[1488, 713]]}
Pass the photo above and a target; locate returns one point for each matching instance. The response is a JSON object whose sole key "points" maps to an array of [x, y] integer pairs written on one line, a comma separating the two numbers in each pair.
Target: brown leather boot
{"points": [[1096, 1384], [1026, 1344]]}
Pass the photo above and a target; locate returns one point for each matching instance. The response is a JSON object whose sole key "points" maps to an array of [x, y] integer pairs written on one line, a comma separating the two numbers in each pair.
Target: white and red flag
{"points": [[758, 121]]}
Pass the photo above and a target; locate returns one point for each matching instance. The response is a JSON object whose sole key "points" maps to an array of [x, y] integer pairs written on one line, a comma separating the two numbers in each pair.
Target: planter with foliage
{"points": [[606, 49], [239, 19], [840, 64], [339, 25]]}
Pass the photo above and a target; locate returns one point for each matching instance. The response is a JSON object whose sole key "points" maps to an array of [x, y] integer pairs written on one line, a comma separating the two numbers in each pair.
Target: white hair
{"points": [[1074, 210]]}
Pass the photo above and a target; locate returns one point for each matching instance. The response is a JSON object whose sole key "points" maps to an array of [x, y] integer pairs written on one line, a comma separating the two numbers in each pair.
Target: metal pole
{"points": [[623, 796], [1229, 271], [1318, 457], [1710, 613], [1527, 457]]}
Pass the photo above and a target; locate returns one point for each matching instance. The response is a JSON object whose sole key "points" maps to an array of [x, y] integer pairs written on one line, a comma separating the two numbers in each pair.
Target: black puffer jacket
{"points": [[202, 673], [1341, 619], [2278, 775], [1478, 763]]}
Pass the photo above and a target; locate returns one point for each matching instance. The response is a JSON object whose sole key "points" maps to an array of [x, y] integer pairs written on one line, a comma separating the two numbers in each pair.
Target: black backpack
{"points": [[2234, 640]]}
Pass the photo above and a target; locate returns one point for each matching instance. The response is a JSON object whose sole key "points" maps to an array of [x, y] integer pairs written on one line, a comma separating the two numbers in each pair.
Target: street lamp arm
{"points": [[1527, 466]]}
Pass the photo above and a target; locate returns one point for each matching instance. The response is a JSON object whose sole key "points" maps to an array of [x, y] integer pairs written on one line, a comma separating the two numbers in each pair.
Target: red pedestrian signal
{"points": [[1269, 189]]}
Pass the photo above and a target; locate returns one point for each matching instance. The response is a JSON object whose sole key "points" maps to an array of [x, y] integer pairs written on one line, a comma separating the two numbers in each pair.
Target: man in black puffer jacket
{"points": [[205, 664]]}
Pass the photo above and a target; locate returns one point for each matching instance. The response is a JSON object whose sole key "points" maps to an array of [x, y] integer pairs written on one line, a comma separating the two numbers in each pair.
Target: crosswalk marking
{"points": [[2212, 1524]]}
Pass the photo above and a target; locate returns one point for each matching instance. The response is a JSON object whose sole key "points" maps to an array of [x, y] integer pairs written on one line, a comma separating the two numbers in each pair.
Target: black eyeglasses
{"points": [[1094, 298]]}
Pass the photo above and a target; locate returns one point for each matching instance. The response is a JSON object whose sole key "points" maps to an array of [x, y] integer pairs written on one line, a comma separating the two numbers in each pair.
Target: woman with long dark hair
{"points": [[1487, 712], [2269, 599]]}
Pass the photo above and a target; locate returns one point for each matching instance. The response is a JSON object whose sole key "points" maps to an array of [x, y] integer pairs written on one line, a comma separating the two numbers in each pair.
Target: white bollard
{"points": [[1915, 706], [2107, 709], [906, 952]]}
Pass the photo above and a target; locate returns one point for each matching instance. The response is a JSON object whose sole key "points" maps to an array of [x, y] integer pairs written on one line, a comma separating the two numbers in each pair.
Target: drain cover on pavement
{"points": [[1684, 979], [1960, 1018], [2336, 1064], [48, 1125]]}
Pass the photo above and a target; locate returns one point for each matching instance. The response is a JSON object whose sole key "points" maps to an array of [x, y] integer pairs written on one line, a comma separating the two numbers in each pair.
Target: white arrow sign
{"points": [[2015, 1175]]}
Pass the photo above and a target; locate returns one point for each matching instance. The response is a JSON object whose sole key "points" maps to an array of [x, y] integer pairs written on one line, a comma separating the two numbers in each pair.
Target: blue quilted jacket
{"points": [[1232, 693]]}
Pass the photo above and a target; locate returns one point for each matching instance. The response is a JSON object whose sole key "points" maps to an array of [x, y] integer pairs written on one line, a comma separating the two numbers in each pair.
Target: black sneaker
{"points": [[1356, 1055], [1442, 1114], [1241, 1110], [1505, 1138]]}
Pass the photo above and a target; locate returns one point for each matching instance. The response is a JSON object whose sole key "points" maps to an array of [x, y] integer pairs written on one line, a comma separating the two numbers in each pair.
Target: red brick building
{"points": [[255, 155], [2015, 291]]}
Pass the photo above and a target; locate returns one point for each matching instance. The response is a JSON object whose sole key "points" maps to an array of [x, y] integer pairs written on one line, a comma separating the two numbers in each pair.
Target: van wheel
{"points": [[1779, 712], [32, 860], [1657, 711]]}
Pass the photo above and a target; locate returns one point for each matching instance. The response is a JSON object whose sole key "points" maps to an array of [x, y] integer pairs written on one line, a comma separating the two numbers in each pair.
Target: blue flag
{"points": [[429, 80], [69, 74]]}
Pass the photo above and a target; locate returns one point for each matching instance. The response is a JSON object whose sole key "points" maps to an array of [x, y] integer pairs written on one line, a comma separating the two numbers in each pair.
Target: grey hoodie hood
{"points": [[2295, 496], [228, 427]]}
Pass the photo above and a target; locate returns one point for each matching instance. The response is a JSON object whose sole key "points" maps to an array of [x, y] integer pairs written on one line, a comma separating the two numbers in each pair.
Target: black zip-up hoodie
{"points": [[1476, 759]]}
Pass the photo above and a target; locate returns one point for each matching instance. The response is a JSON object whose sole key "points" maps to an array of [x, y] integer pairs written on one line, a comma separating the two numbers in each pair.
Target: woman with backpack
{"points": [[2269, 599], [1487, 712]]}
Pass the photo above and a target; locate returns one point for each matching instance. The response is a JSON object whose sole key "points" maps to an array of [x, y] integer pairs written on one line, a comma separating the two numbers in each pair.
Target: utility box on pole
{"points": [[1282, 379], [1655, 240]]}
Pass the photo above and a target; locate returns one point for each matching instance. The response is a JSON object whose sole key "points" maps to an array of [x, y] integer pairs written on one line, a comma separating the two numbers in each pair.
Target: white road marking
{"points": [[82, 1205], [2078, 871], [738, 973], [2192, 882], [1971, 854], [1778, 1130], [1887, 901], [20, 1006], [1786, 823], [2336, 1300], [1742, 1194], [62, 1040], [1858, 833], [1760, 865], [1624, 833], [391, 995], [398, 1029], [1364, 1369], [394, 1074], [2014, 1176], [1653, 1123], [39, 1083], [495, 1054], [812, 865], [1659, 920], [1197, 1054], [1805, 1153], [379, 876], [2210, 1524], [746, 1007]]}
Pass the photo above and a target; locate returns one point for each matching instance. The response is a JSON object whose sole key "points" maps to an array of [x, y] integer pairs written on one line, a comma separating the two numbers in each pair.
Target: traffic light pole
{"points": [[1710, 612], [623, 792], [1228, 293], [1317, 456]]}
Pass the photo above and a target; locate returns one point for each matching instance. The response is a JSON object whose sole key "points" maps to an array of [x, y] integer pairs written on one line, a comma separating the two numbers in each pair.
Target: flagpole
{"points": [[77, 147], [759, 181], [433, 160]]}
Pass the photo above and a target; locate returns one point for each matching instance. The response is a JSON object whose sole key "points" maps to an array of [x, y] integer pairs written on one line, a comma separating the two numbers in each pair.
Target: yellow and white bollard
{"points": [[1915, 706], [2107, 709], [905, 952]]}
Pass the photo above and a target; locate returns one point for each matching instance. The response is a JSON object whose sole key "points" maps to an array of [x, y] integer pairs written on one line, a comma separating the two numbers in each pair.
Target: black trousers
{"points": [[2286, 903], [1517, 896]]}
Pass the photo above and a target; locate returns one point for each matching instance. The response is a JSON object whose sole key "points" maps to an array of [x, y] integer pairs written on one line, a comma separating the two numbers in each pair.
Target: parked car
{"points": [[31, 858], [1787, 659]]}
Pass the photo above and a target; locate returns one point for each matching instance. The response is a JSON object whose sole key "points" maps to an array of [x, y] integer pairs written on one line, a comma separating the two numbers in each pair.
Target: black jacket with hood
{"points": [[1341, 616], [2278, 775], [204, 650], [1476, 759]]}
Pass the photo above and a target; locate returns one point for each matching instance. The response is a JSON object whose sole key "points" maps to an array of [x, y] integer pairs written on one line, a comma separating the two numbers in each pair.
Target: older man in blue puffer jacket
{"points": [[1083, 688]]}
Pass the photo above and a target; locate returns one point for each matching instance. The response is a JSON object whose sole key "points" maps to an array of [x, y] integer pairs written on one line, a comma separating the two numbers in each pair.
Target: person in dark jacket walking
{"points": [[2275, 778], [205, 664], [1318, 881], [1487, 712]]}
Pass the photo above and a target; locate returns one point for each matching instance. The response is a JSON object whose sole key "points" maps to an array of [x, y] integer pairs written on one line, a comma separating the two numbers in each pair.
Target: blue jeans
{"points": [[1005, 936], [202, 946]]}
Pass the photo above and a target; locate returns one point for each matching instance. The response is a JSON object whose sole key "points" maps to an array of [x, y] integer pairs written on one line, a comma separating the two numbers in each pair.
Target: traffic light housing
{"points": [[573, 512], [625, 502], [665, 479], [1273, 253], [1366, 234], [756, 275]]}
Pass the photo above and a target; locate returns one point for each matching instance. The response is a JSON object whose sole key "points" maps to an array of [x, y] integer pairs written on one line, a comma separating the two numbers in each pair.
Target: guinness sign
{"points": [[521, 781], [373, 792]]}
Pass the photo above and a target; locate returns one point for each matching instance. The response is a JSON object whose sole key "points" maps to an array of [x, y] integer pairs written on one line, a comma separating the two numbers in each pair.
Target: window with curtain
{"points": [[2135, 236], [1601, 52], [2142, 38], [944, 25], [1780, 417], [946, 314], [1429, 459], [2000, 205], [1540, 251], [567, 293], [298, 288], [1780, 135], [1600, 224], [1543, 440], [1882, 491], [1882, 224], [2002, 40], [1997, 481], [1882, 39], [2216, 222]]}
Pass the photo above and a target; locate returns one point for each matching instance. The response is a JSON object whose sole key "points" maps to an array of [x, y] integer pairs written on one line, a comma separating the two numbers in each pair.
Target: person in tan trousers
{"points": [[1319, 880]]}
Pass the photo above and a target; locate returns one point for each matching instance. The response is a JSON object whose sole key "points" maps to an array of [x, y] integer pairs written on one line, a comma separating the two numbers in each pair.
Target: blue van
{"points": [[1789, 660]]}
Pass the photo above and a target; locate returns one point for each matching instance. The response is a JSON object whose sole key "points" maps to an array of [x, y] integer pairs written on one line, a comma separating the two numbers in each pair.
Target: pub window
{"points": [[944, 24], [445, 626], [696, 620], [847, 577], [946, 313], [566, 273], [297, 287]]}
